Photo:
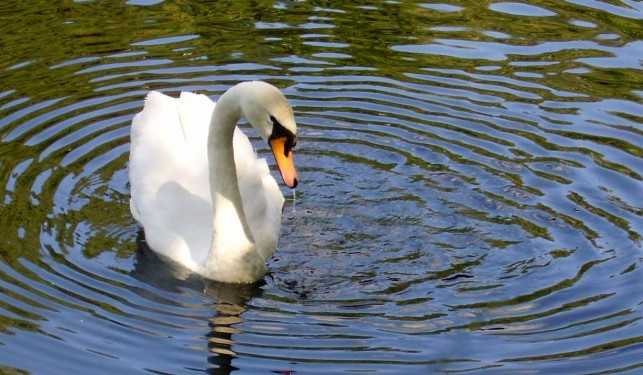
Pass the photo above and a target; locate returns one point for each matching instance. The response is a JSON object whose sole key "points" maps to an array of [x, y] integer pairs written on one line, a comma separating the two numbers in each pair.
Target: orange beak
{"points": [[284, 161]]}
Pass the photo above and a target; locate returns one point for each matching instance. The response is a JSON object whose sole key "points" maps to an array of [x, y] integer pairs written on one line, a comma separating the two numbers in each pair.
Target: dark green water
{"points": [[469, 202]]}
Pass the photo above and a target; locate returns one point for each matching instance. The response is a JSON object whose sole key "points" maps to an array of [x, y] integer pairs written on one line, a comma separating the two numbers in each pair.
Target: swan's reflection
{"points": [[231, 302]]}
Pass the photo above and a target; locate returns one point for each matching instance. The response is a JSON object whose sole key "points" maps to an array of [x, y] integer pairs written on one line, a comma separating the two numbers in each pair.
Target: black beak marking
{"points": [[280, 131]]}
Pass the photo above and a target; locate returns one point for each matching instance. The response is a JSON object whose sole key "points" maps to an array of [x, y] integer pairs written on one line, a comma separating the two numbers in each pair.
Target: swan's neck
{"points": [[232, 243]]}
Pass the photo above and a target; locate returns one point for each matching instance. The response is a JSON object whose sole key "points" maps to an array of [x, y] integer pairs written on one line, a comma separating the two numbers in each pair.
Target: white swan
{"points": [[197, 188]]}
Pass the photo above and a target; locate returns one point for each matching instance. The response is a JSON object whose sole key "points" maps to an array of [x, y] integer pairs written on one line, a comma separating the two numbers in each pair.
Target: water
{"points": [[469, 198]]}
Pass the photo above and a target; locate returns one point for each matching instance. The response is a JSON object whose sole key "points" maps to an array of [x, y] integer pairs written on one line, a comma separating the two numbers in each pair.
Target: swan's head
{"points": [[268, 111]]}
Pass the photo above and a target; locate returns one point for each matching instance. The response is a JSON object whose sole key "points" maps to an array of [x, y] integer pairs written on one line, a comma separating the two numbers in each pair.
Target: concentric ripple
{"points": [[469, 197]]}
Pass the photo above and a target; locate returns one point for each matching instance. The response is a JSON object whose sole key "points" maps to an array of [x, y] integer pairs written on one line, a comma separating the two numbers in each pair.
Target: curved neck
{"points": [[229, 220]]}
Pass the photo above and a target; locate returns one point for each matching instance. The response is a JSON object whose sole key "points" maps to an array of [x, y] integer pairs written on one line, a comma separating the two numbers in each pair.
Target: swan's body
{"points": [[197, 188]]}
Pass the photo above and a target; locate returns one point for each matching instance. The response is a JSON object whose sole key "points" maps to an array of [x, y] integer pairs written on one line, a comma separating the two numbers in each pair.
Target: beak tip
{"points": [[291, 181]]}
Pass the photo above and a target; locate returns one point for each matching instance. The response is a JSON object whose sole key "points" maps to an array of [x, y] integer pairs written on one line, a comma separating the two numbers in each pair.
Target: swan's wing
{"points": [[168, 150], [153, 149], [168, 142]]}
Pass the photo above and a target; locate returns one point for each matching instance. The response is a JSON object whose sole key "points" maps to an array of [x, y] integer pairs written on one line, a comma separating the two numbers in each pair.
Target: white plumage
{"points": [[181, 161]]}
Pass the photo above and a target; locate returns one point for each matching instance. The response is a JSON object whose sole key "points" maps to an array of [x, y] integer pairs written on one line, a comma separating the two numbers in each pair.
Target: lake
{"points": [[469, 199]]}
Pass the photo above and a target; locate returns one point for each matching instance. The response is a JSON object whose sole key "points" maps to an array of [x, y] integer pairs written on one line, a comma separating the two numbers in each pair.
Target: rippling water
{"points": [[470, 198]]}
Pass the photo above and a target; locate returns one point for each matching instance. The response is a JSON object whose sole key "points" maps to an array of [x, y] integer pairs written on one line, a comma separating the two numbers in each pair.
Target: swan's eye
{"points": [[279, 131]]}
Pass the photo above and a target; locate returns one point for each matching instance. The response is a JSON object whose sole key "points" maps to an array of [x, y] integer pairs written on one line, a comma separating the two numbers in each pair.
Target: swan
{"points": [[199, 191]]}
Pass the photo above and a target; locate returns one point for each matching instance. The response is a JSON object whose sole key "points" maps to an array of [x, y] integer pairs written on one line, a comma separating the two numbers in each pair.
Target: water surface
{"points": [[469, 201]]}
